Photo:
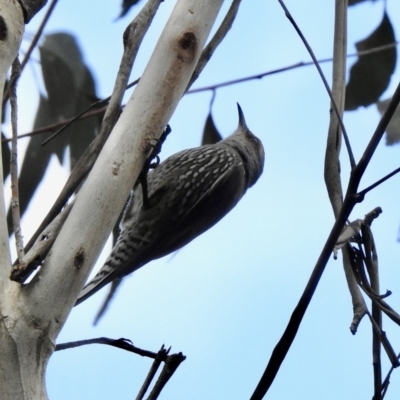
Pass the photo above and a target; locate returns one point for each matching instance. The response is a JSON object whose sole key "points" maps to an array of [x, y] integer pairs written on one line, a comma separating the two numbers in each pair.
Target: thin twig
{"points": [[124, 344], [385, 342], [51, 127], [371, 262], [358, 261], [80, 115], [161, 355], [171, 364], [385, 383], [16, 217], [68, 123], [363, 192], [38, 252], [64, 124], [358, 172], [332, 154], [219, 35], [287, 68], [335, 107]]}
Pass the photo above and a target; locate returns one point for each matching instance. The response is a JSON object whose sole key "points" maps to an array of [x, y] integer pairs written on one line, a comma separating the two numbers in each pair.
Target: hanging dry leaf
{"points": [[70, 89], [348, 232], [210, 132]]}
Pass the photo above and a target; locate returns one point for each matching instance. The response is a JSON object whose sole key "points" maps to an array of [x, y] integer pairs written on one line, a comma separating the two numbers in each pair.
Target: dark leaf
{"points": [[370, 75], [393, 129], [126, 5], [6, 155], [70, 89], [5, 148], [354, 2], [210, 132]]}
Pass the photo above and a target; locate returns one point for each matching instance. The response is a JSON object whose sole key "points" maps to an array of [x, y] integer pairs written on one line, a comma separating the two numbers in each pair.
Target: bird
{"points": [[188, 193]]}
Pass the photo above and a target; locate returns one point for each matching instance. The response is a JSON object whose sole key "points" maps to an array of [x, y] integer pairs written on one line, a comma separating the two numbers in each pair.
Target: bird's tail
{"points": [[104, 277]]}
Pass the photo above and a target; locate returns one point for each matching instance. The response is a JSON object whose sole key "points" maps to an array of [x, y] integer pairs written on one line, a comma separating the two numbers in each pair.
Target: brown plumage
{"points": [[188, 193]]}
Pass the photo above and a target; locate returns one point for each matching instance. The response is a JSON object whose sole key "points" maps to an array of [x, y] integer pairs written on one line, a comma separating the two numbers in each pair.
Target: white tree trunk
{"points": [[20, 364], [33, 315]]}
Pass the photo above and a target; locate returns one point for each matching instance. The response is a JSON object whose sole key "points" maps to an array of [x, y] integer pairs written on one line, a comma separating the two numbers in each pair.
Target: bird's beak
{"points": [[242, 121]]}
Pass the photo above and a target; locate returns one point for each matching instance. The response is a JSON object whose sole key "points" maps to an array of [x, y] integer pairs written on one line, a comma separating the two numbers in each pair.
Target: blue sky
{"points": [[225, 299]]}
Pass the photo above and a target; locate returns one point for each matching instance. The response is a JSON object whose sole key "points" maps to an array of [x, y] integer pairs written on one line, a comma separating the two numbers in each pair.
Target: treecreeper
{"points": [[188, 193]]}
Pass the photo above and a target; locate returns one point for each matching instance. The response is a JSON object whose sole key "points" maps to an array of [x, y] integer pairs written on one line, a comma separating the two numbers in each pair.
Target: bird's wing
{"points": [[210, 208]]}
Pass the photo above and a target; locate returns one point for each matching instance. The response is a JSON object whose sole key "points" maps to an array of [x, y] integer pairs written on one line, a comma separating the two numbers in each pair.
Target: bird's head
{"points": [[250, 149]]}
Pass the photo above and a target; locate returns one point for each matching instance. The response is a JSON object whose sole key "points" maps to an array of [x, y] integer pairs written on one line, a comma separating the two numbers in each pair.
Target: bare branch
{"points": [[16, 73], [358, 172], [85, 112], [219, 35], [124, 344], [332, 153], [13, 17], [381, 336], [371, 262], [37, 253], [133, 37], [287, 68], [161, 356], [363, 192], [385, 383], [333, 102], [58, 124], [171, 364]]}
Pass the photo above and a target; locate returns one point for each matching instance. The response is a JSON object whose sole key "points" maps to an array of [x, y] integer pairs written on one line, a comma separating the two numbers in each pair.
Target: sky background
{"points": [[225, 299]]}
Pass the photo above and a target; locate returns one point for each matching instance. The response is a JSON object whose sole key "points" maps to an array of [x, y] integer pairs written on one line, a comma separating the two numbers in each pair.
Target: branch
{"points": [[38, 252], [380, 336], [358, 172], [124, 344], [334, 104], [13, 26], [86, 113], [219, 35], [16, 73], [385, 383], [332, 154], [161, 356], [371, 262], [287, 68], [171, 364], [61, 124], [133, 37], [363, 192]]}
